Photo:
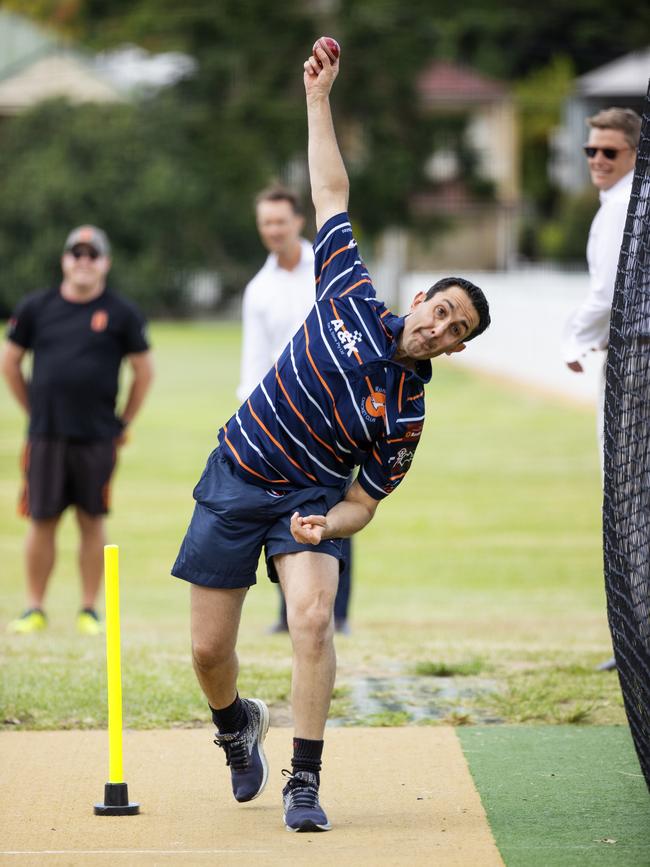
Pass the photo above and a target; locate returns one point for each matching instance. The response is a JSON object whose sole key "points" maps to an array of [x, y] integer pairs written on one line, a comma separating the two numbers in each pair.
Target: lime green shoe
{"points": [[32, 620], [88, 622]]}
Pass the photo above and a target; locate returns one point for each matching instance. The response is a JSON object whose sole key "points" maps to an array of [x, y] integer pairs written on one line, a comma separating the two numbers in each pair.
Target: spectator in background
{"points": [[611, 155], [276, 303], [78, 333]]}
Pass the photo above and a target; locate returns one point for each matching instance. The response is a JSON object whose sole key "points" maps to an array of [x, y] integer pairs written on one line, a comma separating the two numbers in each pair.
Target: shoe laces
{"points": [[301, 791], [236, 750]]}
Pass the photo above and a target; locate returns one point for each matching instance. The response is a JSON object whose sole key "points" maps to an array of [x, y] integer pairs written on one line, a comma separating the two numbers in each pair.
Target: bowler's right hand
{"points": [[309, 530], [319, 76]]}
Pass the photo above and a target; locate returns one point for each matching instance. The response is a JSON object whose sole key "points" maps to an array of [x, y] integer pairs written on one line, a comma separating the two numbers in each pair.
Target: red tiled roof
{"points": [[443, 81]]}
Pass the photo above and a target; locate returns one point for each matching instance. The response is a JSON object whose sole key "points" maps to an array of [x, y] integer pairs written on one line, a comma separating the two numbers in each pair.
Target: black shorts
{"points": [[60, 473]]}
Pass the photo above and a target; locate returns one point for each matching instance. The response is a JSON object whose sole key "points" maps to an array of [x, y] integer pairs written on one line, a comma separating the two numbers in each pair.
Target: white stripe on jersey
{"points": [[315, 402], [363, 325], [370, 482], [411, 418], [345, 379], [253, 446], [296, 440], [334, 280], [331, 232]]}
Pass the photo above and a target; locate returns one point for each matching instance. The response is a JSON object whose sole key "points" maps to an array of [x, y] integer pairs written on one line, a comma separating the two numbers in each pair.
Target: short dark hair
{"points": [[475, 295], [280, 194], [626, 120]]}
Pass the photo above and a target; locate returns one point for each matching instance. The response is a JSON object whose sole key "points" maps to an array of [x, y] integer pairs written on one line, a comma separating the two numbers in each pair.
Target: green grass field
{"points": [[478, 591]]}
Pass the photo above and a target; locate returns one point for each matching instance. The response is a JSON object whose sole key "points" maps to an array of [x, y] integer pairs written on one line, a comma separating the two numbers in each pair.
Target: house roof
{"points": [[443, 81], [627, 76], [35, 65]]}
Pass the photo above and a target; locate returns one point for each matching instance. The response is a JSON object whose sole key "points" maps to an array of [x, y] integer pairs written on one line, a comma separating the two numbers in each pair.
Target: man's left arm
{"points": [[588, 327], [142, 368], [344, 519]]}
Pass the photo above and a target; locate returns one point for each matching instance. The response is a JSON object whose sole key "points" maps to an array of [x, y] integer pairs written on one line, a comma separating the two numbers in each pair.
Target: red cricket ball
{"points": [[330, 47]]}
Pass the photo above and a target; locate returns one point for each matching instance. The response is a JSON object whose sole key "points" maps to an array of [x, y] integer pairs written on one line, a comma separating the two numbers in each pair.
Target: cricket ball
{"points": [[330, 47]]}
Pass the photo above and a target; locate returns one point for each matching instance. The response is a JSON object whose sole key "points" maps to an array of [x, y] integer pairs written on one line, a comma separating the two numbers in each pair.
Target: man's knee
{"points": [[210, 652], [311, 623]]}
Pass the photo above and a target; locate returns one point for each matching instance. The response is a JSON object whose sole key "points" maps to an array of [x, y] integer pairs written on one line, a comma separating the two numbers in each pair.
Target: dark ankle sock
{"points": [[307, 756], [230, 719]]}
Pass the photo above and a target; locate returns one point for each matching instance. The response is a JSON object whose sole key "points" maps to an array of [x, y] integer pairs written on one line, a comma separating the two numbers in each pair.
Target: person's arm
{"points": [[142, 367], [588, 327], [327, 174], [12, 357], [344, 519]]}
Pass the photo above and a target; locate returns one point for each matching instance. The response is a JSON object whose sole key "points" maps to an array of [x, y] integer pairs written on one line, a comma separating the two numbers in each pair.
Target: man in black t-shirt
{"points": [[78, 334]]}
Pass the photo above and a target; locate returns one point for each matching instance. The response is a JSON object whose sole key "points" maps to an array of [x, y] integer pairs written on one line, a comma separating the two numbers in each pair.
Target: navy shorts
{"points": [[60, 473], [233, 520]]}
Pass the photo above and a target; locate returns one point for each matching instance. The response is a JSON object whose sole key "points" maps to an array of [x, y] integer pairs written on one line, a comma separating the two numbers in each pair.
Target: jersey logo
{"points": [[403, 459], [99, 320], [374, 406], [347, 339]]}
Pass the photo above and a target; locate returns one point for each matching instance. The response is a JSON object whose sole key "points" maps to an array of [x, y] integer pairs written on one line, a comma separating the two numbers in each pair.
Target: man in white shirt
{"points": [[276, 303], [611, 155]]}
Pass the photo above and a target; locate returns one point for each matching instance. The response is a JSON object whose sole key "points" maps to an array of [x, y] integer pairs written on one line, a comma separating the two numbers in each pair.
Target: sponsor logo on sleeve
{"points": [[402, 459]]}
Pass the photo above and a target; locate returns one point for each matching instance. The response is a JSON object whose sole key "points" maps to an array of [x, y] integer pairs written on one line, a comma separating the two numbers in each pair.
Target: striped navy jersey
{"points": [[335, 399]]}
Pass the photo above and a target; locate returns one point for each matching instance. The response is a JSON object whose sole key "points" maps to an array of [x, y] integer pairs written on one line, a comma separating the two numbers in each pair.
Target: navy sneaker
{"points": [[302, 811], [244, 752]]}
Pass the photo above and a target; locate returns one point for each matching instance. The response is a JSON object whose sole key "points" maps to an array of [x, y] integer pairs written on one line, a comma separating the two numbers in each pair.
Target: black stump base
{"points": [[116, 801]]}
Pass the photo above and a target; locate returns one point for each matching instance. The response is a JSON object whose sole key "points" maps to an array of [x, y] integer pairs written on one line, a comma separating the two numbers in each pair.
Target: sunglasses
{"points": [[78, 252], [608, 153]]}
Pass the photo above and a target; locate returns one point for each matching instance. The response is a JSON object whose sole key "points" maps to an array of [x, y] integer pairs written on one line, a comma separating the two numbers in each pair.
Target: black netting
{"points": [[626, 506]]}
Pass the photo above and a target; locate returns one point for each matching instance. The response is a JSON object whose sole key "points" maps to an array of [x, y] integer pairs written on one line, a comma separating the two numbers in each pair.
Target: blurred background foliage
{"points": [[172, 175]]}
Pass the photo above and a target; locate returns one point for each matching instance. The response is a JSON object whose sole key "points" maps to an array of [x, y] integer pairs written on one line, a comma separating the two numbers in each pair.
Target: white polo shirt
{"points": [[588, 327], [276, 303]]}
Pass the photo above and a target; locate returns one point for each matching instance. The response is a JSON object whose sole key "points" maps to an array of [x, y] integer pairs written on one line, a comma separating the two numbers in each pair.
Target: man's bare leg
{"points": [[242, 723], [309, 581], [40, 556], [215, 616], [92, 531]]}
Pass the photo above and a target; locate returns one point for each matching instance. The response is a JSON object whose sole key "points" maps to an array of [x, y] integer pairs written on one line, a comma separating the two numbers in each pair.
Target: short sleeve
{"points": [[20, 328], [134, 337], [338, 267]]}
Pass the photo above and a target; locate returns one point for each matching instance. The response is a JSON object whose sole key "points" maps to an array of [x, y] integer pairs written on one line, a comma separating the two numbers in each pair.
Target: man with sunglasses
{"points": [[78, 333], [611, 154]]}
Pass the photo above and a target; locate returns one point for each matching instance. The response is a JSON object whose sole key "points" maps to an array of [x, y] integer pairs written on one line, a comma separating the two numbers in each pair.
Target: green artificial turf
{"points": [[561, 796]]}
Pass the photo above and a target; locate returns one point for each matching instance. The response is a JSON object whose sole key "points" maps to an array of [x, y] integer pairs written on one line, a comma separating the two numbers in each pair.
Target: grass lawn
{"points": [[477, 594]]}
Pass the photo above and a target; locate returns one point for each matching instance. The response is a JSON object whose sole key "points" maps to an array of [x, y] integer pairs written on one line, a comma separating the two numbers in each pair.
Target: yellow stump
{"points": [[116, 797], [113, 662]]}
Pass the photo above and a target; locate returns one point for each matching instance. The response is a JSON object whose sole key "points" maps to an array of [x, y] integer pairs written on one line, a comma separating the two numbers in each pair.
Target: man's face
{"points": [[279, 226], [439, 325], [606, 172], [83, 267]]}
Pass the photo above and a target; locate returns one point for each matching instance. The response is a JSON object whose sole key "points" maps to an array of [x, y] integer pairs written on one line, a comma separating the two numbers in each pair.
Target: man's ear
{"points": [[458, 348], [417, 300]]}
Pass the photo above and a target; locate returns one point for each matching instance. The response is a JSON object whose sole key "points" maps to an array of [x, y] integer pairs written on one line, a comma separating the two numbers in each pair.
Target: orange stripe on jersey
{"points": [[415, 396], [404, 440], [376, 456], [245, 466], [333, 256], [399, 395], [276, 443], [385, 313], [354, 286], [398, 476], [326, 387], [303, 419]]}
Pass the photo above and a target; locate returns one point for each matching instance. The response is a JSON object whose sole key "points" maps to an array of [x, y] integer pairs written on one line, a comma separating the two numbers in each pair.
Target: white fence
{"points": [[529, 309]]}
